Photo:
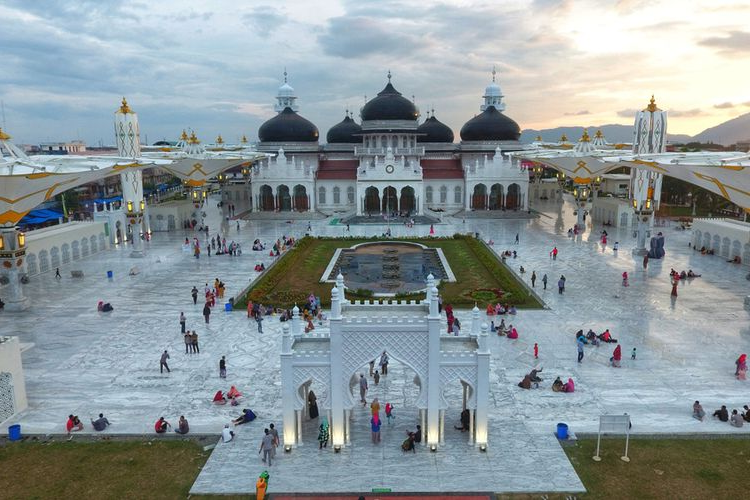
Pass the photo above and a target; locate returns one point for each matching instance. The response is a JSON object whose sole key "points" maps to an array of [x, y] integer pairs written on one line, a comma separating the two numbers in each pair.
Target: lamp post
{"points": [[246, 171], [222, 178], [561, 183], [581, 193]]}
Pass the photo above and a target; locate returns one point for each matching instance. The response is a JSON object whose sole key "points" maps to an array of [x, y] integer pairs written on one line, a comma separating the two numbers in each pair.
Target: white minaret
{"points": [[286, 97], [650, 136], [493, 96], [127, 135]]}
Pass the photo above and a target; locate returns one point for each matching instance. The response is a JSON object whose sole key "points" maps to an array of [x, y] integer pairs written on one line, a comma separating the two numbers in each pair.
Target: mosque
{"points": [[389, 161]]}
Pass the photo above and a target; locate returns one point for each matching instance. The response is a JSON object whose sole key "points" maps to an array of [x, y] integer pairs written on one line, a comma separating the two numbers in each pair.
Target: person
{"points": [[616, 357], [418, 434], [276, 440], [464, 421], [384, 363], [533, 279], [698, 412], [100, 423], [522, 270], [259, 321], [746, 414], [516, 238], [161, 426], [408, 444], [569, 386], [266, 446], [691, 274], [554, 253], [194, 342], [182, 426], [525, 383], [206, 311], [579, 346], [544, 281], [607, 337], [219, 398], [73, 424], [741, 365], [560, 286], [247, 416], [512, 332], [57, 274], [223, 367], [375, 407], [362, 388], [389, 412], [104, 306], [736, 419], [625, 278], [194, 293], [312, 405], [182, 321], [616, 247], [536, 350], [722, 414], [557, 385], [233, 393], [376, 377], [534, 375], [375, 427], [163, 362], [227, 434], [323, 434], [632, 355]]}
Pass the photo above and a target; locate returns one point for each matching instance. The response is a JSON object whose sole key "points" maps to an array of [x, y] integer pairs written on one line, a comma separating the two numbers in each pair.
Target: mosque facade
{"points": [[389, 160]]}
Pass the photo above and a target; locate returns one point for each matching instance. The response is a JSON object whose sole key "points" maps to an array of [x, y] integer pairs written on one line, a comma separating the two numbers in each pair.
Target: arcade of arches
{"points": [[498, 198], [283, 200], [390, 200]]}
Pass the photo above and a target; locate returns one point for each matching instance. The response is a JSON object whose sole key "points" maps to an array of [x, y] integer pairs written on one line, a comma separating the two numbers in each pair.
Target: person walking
{"points": [[194, 339], [362, 388], [206, 311], [544, 281], [384, 363], [188, 342], [182, 321], [194, 293], [580, 349], [276, 441], [536, 350], [57, 274], [259, 320], [553, 253], [375, 426], [516, 238], [163, 362], [266, 446], [223, 367], [533, 279], [560, 285]]}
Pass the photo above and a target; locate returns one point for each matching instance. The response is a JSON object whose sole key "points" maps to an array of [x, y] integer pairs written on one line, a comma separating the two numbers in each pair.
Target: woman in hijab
{"points": [[741, 367], [312, 405], [323, 433], [616, 356], [569, 386]]}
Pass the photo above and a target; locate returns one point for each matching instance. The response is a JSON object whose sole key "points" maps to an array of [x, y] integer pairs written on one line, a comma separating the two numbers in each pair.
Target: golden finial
{"points": [[124, 108], [184, 136], [193, 139], [598, 134], [3, 135], [652, 105], [219, 140], [585, 137], [564, 138], [244, 139]]}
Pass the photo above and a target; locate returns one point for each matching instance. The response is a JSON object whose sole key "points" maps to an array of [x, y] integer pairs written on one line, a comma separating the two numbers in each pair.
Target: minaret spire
{"points": [[389, 76], [493, 73]]}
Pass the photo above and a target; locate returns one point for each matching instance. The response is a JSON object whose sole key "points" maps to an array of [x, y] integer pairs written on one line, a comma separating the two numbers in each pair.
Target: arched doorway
{"points": [[300, 198], [372, 200], [496, 197], [285, 199], [408, 201], [479, 198], [513, 199], [266, 198], [390, 199]]}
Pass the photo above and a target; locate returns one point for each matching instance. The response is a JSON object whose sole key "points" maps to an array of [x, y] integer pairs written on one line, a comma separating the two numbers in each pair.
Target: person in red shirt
{"points": [[73, 424], [161, 426]]}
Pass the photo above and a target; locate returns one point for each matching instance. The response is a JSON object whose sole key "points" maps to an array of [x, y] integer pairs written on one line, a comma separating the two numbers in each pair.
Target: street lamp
{"points": [[21, 240], [129, 206], [143, 205]]}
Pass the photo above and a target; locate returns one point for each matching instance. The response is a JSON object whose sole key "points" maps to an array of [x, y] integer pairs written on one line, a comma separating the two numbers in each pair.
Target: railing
{"points": [[418, 151]]}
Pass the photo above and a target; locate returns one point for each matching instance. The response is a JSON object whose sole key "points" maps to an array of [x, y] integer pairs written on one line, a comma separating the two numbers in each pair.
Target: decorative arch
{"points": [[93, 244], [284, 198], [322, 195], [300, 198], [336, 195], [479, 198], [84, 247], [31, 264], [428, 194], [443, 194], [390, 199], [496, 197], [76, 249], [513, 198], [55, 256], [372, 200], [266, 199], [66, 252], [43, 261], [408, 200]]}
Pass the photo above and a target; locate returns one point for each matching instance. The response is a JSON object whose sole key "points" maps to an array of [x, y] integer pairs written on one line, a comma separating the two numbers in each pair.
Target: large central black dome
{"points": [[288, 126], [344, 132], [434, 131], [389, 105], [490, 125]]}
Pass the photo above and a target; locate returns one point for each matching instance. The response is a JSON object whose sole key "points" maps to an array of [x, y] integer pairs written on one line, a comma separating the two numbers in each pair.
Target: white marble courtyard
{"points": [[85, 362]]}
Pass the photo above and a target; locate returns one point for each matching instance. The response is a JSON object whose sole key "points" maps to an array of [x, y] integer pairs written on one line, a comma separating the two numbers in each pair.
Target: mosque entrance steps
{"points": [[497, 214], [296, 216]]}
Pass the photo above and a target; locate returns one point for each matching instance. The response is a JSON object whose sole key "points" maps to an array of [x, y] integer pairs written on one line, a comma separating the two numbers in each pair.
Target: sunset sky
{"points": [[216, 66]]}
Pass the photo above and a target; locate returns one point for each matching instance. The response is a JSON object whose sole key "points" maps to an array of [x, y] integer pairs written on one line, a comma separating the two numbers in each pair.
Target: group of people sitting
{"points": [[104, 306], [509, 332], [558, 386], [161, 426], [233, 396], [592, 338], [683, 275], [411, 439], [74, 424], [258, 246], [508, 253], [532, 379], [736, 419], [499, 309], [260, 267]]}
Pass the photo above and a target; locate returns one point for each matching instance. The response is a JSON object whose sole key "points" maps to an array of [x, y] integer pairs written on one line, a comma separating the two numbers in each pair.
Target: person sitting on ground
{"points": [[418, 434], [591, 337], [683, 275], [233, 393], [557, 385], [161, 426], [698, 412], [182, 426], [464, 421], [580, 337], [501, 329], [569, 386], [534, 375], [736, 260], [522, 270], [499, 309], [616, 357], [73, 424], [512, 309], [722, 414], [227, 434], [607, 337], [691, 274], [247, 416], [219, 398], [100, 423], [408, 444], [746, 414], [512, 332], [736, 419], [525, 383], [490, 310]]}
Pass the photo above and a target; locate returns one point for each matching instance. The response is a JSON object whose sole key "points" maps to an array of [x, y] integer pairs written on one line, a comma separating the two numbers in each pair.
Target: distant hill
{"points": [[727, 133], [613, 133]]}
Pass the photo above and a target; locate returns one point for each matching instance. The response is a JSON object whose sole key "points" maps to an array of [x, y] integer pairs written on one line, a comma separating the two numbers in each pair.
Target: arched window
{"points": [[321, 195], [336, 195], [443, 194], [457, 198], [403, 142], [350, 194], [428, 194]]}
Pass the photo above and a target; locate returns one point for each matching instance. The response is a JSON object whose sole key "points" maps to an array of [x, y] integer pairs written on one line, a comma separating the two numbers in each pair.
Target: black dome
{"points": [[435, 130], [288, 126], [389, 105], [490, 125], [344, 132]]}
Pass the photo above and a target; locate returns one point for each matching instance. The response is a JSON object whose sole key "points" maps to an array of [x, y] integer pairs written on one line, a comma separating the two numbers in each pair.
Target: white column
{"points": [[483, 387], [347, 427], [287, 389], [442, 427], [299, 427], [13, 253], [337, 385], [471, 427], [423, 419], [433, 367]]}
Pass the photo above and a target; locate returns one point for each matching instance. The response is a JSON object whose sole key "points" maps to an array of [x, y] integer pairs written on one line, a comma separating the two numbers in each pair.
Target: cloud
{"points": [[628, 113], [736, 43], [684, 113], [579, 113], [264, 19], [724, 105], [355, 37]]}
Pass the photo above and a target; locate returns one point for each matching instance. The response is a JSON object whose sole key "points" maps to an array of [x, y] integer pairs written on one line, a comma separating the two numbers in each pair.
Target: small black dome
{"points": [[490, 125], [344, 132], [435, 130], [288, 126], [389, 105]]}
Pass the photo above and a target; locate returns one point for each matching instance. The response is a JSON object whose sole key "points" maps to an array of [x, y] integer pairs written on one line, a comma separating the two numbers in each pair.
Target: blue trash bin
{"points": [[110, 274], [562, 431], [14, 432], [228, 306]]}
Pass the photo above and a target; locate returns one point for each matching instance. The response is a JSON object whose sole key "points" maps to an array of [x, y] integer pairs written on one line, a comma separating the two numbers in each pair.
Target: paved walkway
{"points": [[84, 362]]}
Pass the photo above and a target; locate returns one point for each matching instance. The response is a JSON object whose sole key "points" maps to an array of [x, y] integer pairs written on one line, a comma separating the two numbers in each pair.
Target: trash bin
{"points": [[228, 306], [14, 432], [562, 431], [110, 274]]}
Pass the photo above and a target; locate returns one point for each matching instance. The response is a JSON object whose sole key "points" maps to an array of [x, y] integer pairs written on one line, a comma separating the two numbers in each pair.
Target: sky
{"points": [[215, 67]]}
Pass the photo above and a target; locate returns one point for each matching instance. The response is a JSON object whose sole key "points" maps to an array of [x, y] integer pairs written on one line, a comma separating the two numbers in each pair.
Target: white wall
{"points": [[726, 237], [51, 247], [10, 362]]}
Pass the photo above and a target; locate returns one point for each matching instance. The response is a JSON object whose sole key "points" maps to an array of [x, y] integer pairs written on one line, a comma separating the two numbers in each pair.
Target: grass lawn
{"points": [[101, 470], [678, 468], [480, 275]]}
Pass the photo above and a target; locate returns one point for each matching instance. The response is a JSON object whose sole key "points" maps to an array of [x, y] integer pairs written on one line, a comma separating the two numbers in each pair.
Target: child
{"points": [[632, 356], [376, 376], [536, 350], [389, 413]]}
